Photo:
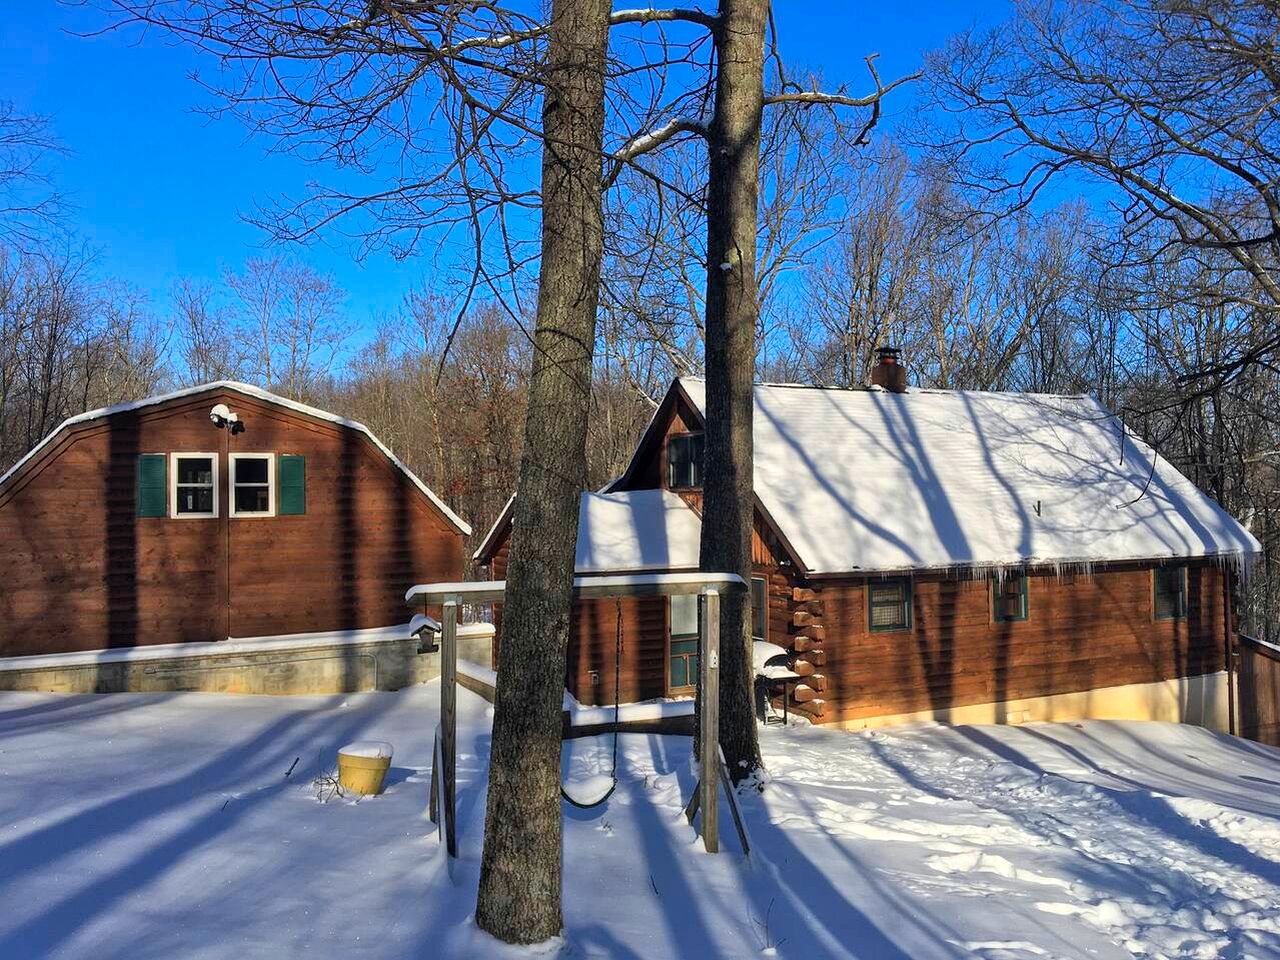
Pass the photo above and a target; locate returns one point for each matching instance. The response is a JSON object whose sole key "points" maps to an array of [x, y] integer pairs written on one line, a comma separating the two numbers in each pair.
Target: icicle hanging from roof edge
{"points": [[1238, 563], [1022, 568]]}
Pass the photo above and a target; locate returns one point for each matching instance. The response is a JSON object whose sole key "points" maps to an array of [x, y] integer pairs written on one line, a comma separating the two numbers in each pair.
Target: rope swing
{"points": [[617, 693]]}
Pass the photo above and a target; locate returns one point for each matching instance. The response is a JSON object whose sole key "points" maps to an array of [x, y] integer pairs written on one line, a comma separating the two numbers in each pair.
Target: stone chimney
{"points": [[889, 372]]}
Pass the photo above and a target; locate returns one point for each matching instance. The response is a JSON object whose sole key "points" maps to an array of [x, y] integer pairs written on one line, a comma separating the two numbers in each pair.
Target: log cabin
{"points": [[220, 511], [925, 554]]}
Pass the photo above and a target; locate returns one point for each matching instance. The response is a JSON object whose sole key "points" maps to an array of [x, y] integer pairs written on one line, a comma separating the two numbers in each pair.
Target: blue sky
{"points": [[160, 189]]}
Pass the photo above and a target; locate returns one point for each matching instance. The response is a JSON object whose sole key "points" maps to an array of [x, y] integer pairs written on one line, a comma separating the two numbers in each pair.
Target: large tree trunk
{"points": [[732, 312], [519, 898]]}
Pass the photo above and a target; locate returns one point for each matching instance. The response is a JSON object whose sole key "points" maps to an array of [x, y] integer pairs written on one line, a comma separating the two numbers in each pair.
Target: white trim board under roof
{"points": [[873, 481], [258, 394]]}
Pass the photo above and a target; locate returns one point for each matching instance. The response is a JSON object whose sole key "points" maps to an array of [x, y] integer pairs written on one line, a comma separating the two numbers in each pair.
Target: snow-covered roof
{"points": [[258, 394], [636, 530], [625, 532], [492, 538], [879, 481]]}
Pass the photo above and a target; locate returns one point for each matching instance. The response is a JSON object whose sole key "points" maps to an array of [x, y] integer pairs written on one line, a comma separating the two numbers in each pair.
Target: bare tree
{"points": [[290, 322], [207, 346], [519, 899], [732, 319], [68, 342], [1171, 104], [30, 203]]}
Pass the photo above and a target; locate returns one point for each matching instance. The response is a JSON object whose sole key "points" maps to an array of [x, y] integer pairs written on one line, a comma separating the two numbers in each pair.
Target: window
{"points": [[253, 484], [759, 608], [1170, 593], [1009, 599], [889, 605], [684, 642], [684, 462], [194, 489]]}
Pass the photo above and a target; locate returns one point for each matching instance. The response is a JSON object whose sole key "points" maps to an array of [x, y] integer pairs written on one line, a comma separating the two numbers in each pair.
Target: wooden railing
{"points": [[1258, 684]]}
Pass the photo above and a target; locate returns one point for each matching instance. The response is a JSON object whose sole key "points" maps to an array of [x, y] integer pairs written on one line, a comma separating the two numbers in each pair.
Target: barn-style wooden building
{"points": [[213, 512], [969, 556]]}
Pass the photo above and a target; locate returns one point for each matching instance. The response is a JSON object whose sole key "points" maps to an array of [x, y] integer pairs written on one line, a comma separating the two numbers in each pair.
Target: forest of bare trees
{"points": [[1014, 303]]}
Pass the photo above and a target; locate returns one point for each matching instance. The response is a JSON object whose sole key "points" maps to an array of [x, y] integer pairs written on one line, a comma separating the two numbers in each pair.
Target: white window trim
{"points": [[271, 484], [173, 484]]}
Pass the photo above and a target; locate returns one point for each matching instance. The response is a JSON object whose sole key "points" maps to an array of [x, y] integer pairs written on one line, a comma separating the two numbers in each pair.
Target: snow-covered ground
{"points": [[149, 826]]}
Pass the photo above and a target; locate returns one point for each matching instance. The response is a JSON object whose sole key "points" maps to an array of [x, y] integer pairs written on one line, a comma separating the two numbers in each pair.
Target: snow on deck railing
{"points": [[631, 585]]}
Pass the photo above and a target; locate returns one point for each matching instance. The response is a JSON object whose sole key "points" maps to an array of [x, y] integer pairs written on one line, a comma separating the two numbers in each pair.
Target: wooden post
{"points": [[449, 718], [709, 761]]}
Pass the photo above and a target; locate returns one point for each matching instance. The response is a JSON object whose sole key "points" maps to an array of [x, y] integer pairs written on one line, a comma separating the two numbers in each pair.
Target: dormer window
{"points": [[684, 462]]}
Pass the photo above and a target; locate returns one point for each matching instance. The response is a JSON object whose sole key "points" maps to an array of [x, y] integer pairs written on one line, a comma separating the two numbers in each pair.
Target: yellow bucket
{"points": [[363, 766]]}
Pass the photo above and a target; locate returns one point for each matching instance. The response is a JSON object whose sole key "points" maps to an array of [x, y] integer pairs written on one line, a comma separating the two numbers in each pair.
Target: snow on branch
{"points": [[651, 15], [655, 138], [639, 15], [816, 97], [840, 99]]}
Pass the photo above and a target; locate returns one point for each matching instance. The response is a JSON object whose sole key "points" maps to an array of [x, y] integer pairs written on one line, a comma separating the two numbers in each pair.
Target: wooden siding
{"points": [[81, 571], [592, 631], [1082, 632], [593, 642]]}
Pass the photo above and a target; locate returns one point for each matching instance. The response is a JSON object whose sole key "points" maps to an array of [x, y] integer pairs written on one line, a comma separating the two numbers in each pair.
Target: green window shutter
{"points": [[153, 492], [291, 497]]}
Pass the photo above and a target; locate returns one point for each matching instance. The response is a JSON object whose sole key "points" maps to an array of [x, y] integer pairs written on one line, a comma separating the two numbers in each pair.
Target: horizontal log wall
{"points": [[1082, 632]]}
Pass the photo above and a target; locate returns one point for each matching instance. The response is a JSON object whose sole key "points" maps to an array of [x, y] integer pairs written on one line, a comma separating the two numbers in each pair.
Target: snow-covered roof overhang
{"points": [[872, 481], [631, 531], [484, 553], [257, 394], [636, 530]]}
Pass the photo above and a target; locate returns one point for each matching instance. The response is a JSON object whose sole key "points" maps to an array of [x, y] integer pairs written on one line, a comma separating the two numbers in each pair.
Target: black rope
{"points": [[617, 709]]}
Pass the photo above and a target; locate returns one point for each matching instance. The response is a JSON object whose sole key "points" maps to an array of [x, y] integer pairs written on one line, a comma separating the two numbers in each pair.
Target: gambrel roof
{"points": [[249, 391], [869, 480]]}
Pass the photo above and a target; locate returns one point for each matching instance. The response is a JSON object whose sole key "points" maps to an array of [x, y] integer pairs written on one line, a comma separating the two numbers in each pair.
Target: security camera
{"points": [[221, 416]]}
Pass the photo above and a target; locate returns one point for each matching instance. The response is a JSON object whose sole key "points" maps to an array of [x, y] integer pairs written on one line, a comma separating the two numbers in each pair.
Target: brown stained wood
{"points": [[801, 594], [804, 668], [803, 618], [804, 693], [83, 572], [1259, 691], [816, 657]]}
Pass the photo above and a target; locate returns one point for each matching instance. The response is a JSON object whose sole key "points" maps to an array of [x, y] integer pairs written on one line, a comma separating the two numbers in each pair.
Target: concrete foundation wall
{"points": [[385, 665], [1201, 701]]}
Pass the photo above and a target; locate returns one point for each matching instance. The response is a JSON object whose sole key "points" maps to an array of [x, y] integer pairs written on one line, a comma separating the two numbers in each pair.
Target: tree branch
{"points": [[650, 15]]}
